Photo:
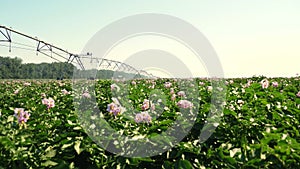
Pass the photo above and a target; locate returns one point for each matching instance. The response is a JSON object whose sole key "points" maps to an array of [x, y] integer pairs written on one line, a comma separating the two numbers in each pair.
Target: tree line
{"points": [[13, 68]]}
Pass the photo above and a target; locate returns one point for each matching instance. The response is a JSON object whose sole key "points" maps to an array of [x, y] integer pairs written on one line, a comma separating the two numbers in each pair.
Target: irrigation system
{"points": [[57, 53]]}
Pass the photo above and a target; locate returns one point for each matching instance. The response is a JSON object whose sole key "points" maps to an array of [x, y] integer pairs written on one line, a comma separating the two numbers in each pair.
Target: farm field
{"points": [[259, 127]]}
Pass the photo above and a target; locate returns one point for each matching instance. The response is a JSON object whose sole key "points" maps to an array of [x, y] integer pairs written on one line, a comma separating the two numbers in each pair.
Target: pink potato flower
{"points": [[43, 95], [27, 84], [248, 83], [185, 104], [48, 102], [115, 108], [298, 94], [173, 97], [209, 88], [172, 91], [86, 94], [138, 118], [152, 107], [16, 91], [181, 94], [146, 104], [275, 84], [65, 92], [133, 82], [114, 87], [168, 84], [143, 117], [146, 117], [264, 83], [21, 115]]}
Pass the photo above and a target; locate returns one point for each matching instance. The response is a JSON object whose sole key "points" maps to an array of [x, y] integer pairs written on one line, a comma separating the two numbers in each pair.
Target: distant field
{"points": [[259, 127]]}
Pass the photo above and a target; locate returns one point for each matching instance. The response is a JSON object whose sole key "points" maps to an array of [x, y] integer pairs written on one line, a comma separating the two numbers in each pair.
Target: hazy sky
{"points": [[250, 37]]}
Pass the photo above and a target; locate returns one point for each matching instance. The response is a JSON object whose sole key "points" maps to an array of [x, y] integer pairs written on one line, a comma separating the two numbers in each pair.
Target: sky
{"points": [[250, 37]]}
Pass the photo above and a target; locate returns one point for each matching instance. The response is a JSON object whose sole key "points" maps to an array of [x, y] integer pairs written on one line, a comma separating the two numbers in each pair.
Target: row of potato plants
{"points": [[42, 124]]}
